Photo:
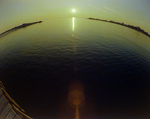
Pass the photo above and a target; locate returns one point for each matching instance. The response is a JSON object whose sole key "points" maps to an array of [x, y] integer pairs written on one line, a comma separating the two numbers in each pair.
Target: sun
{"points": [[73, 10]]}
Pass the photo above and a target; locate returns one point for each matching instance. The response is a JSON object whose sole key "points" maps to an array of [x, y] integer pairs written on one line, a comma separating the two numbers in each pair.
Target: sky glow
{"points": [[14, 12]]}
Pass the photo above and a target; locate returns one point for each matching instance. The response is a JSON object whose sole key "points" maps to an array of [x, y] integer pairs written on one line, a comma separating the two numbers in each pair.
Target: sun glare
{"points": [[73, 10]]}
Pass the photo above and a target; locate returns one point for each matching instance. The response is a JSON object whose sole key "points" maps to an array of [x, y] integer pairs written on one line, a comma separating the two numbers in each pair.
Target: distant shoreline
{"points": [[18, 27], [137, 28]]}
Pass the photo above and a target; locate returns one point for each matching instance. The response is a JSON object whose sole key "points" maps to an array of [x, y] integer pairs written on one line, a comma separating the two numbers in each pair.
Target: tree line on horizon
{"points": [[123, 24]]}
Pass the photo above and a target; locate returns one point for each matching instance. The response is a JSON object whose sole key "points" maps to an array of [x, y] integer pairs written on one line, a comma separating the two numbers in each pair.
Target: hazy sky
{"points": [[16, 12]]}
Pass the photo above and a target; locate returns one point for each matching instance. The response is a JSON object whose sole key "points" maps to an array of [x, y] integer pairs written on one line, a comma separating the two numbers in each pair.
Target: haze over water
{"points": [[134, 12]]}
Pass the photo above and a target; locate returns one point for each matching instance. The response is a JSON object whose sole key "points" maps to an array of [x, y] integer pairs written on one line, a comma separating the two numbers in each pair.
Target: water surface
{"points": [[38, 63]]}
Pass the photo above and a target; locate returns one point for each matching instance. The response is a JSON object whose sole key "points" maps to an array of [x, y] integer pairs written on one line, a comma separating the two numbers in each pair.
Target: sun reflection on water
{"points": [[73, 23]]}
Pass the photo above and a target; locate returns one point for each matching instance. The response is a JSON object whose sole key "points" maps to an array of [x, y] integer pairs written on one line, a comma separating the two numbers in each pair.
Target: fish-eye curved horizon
{"points": [[74, 59]]}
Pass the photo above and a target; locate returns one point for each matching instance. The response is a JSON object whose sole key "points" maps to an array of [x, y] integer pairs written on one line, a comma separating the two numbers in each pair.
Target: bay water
{"points": [[38, 63]]}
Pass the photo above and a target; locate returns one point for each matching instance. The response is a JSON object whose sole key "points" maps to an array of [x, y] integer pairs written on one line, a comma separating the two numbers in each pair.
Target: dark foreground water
{"points": [[38, 64]]}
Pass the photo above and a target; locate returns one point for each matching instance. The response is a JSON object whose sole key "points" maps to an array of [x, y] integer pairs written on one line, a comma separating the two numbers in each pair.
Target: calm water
{"points": [[38, 63]]}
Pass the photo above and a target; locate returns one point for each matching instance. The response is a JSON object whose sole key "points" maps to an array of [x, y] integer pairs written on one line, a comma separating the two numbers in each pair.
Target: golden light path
{"points": [[73, 24], [73, 19]]}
